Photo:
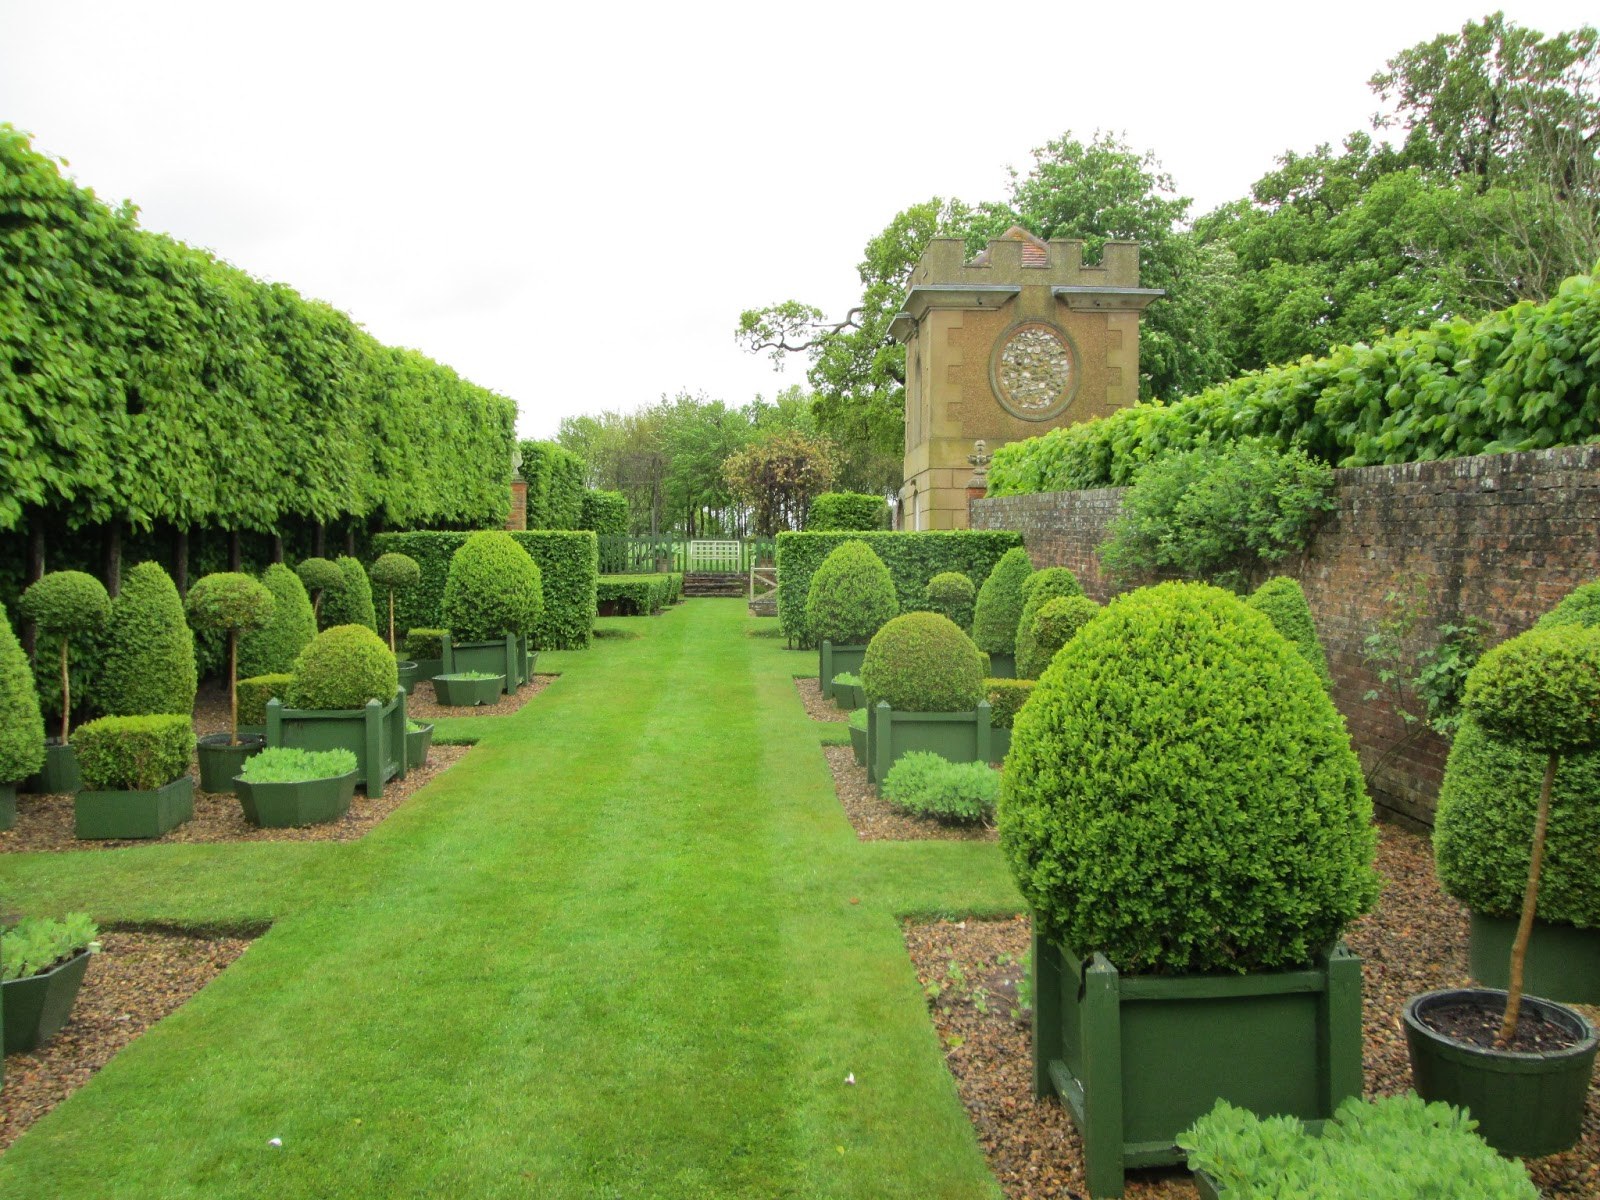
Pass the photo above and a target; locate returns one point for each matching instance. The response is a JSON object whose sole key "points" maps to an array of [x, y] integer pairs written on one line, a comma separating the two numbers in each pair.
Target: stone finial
{"points": [[980, 459]]}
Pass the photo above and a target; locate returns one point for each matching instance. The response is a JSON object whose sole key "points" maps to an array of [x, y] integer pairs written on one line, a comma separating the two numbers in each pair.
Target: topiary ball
{"points": [[148, 665], [1283, 602], [350, 603], [952, 594], [999, 607], [493, 588], [851, 596], [228, 601], [319, 574], [1540, 691], [66, 602], [272, 648], [1181, 794], [1039, 589], [920, 662], [343, 667], [1052, 627], [1580, 606], [21, 724], [396, 571]]}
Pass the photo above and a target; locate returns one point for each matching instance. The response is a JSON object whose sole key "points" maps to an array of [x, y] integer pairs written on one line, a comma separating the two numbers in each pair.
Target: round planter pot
{"points": [[417, 744], [455, 692], [222, 759], [408, 673], [1527, 1105], [304, 802], [37, 1007]]}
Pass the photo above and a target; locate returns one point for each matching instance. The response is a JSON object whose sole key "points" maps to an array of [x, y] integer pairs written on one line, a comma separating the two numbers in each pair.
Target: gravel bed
{"points": [[46, 822], [818, 708], [421, 705], [1416, 940], [138, 977], [875, 819]]}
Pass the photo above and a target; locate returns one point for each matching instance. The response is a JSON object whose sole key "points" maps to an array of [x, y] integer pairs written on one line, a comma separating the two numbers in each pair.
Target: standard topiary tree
{"points": [[999, 607], [1283, 602], [351, 602], [272, 649], [921, 662], [320, 576], [1038, 590], [1538, 692], [343, 667], [1052, 627], [1238, 842], [951, 594], [148, 666], [65, 604], [492, 589], [230, 602], [21, 725], [395, 572], [851, 596]]}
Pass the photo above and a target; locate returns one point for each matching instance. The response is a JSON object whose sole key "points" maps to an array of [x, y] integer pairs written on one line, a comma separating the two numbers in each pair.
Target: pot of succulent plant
{"points": [[468, 689], [1522, 1065], [135, 776], [283, 787], [64, 605], [493, 595], [42, 964], [1167, 974], [231, 603], [21, 725], [850, 596], [998, 611], [924, 684], [858, 735], [419, 737]]}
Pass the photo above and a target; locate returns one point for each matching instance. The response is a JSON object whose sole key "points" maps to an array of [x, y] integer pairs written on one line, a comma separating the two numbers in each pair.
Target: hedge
{"points": [[835, 511], [555, 485], [145, 380], [148, 662], [912, 559], [1523, 378], [568, 569], [134, 753], [606, 513], [639, 595]]}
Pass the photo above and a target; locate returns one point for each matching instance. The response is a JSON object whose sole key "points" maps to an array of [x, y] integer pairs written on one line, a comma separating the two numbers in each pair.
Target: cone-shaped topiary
{"points": [[851, 596], [229, 602], [921, 662], [351, 602], [343, 667], [493, 589], [320, 576], [21, 726], [65, 604], [1283, 602], [272, 648], [148, 665], [1038, 590], [1181, 794], [395, 572], [952, 594], [1052, 627], [999, 607]]}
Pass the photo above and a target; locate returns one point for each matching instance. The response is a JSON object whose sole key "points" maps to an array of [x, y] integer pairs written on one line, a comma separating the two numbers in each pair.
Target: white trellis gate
{"points": [[722, 556]]}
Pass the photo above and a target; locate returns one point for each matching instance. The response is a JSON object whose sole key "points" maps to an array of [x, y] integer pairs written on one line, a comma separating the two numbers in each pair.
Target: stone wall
{"points": [[1502, 537]]}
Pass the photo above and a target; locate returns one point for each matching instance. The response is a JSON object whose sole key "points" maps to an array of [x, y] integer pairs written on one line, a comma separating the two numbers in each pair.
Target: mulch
{"points": [[422, 706], [138, 977], [817, 707], [1415, 941], [876, 820]]}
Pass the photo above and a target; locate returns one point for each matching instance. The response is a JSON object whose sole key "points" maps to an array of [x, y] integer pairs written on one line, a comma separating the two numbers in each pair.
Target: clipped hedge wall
{"points": [[912, 558], [835, 511], [554, 476], [137, 753], [569, 570], [639, 595], [606, 514]]}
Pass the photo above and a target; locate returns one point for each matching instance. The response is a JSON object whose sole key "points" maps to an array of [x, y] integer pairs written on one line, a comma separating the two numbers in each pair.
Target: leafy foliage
{"points": [[1039, 589], [1436, 671], [290, 764], [951, 594], [425, 643], [638, 595], [66, 603], [851, 596], [1181, 795], [21, 725], [36, 944], [350, 603], [148, 665], [857, 719], [930, 785], [138, 754], [255, 691], [1006, 698], [320, 575], [833, 512], [921, 662], [229, 601], [1000, 600], [492, 589], [1540, 690], [606, 513], [1283, 602], [343, 668], [777, 478], [395, 572], [555, 478], [272, 648], [1581, 606], [1051, 627]]}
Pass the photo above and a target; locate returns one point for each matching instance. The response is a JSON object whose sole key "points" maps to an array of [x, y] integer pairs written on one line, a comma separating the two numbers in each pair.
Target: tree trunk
{"points": [[277, 547], [391, 620], [233, 687], [114, 558], [1530, 901], [319, 543], [235, 552], [180, 565], [66, 692]]}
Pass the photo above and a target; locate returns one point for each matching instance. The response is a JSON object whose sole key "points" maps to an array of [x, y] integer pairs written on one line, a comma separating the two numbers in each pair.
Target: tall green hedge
{"points": [[912, 559], [835, 511], [568, 569], [555, 485], [144, 380], [606, 513], [1523, 378]]}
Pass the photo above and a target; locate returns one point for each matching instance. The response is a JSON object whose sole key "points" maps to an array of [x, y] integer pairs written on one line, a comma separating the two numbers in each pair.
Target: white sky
{"points": [[573, 206]]}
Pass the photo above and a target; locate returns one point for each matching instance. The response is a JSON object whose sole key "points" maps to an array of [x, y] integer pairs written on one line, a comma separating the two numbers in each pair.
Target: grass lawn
{"points": [[628, 947]]}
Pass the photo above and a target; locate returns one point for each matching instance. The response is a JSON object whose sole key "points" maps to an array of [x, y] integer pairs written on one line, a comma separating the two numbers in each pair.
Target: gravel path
{"points": [[817, 708], [875, 819]]}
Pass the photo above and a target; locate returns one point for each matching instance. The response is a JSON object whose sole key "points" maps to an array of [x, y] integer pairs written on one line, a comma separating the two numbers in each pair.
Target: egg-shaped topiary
{"points": [[999, 606], [350, 603], [271, 648], [1181, 794], [851, 596], [148, 665], [1051, 628], [1283, 602], [951, 594], [493, 588], [921, 662], [21, 725], [1038, 589], [343, 668]]}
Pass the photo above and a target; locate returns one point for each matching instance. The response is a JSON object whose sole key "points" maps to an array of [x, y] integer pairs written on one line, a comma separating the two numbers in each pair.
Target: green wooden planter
{"points": [[505, 657], [407, 670], [960, 737], [59, 773], [427, 668], [1137, 1059], [858, 743], [222, 759], [1563, 961], [999, 744], [1207, 1187], [119, 814], [1002, 666], [1527, 1105], [303, 802], [417, 744], [37, 1007], [837, 660], [376, 735], [455, 692], [8, 805]]}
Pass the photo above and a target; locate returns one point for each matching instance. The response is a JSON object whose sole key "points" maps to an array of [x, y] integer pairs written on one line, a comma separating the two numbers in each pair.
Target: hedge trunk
{"points": [[1530, 901]]}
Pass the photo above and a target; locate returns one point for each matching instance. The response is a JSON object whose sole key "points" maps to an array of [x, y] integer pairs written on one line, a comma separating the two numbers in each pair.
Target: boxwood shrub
{"points": [[492, 589], [425, 643], [148, 662], [637, 595], [1581, 606], [1238, 842], [21, 724], [1000, 600], [912, 558], [1049, 629], [833, 512], [920, 662], [272, 648], [135, 754], [319, 577], [951, 594], [343, 668], [68, 607], [1006, 698], [930, 785], [351, 602], [569, 570], [1283, 602], [1038, 590], [254, 693], [851, 596]]}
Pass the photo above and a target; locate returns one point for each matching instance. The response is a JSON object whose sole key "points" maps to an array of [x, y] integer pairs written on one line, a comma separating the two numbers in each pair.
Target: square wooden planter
{"points": [[119, 814], [507, 657], [37, 1007], [417, 744], [1563, 961], [376, 735], [59, 773], [837, 660], [960, 737], [1137, 1059]]}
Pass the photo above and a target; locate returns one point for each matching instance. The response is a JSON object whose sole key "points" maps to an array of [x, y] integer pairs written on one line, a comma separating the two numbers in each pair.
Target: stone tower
{"points": [[1022, 339]]}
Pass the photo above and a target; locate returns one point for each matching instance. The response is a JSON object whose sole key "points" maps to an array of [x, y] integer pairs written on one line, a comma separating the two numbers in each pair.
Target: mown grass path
{"points": [[613, 953]]}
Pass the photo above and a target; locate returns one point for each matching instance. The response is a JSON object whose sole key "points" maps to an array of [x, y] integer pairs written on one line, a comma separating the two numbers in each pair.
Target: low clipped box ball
{"points": [[343, 668], [922, 662], [850, 597]]}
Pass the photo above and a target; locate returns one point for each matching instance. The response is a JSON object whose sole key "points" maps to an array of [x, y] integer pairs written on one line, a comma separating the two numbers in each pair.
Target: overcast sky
{"points": [[572, 206]]}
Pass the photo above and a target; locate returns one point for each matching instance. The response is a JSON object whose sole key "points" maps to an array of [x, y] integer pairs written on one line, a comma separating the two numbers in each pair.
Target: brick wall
{"points": [[1502, 537]]}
